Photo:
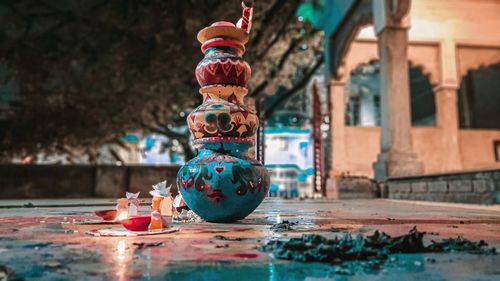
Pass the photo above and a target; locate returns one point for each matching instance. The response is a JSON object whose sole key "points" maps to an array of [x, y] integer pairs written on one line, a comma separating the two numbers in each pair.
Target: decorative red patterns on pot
{"points": [[223, 69]]}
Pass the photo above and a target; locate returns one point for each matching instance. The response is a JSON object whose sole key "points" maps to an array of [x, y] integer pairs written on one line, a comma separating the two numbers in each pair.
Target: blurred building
{"points": [[415, 90], [289, 158], [289, 146]]}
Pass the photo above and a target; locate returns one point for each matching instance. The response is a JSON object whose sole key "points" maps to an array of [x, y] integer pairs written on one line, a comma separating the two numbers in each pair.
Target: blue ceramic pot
{"points": [[223, 184]]}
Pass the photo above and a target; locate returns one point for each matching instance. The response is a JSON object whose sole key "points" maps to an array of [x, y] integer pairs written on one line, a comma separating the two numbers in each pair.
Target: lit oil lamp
{"points": [[125, 208]]}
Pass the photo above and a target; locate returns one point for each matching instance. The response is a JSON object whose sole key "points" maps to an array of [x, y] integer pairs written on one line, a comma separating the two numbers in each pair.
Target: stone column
{"points": [[396, 157], [339, 158], [447, 122], [338, 164], [446, 109]]}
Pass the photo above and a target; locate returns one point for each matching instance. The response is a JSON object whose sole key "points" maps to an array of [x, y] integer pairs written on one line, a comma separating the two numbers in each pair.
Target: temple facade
{"points": [[414, 87]]}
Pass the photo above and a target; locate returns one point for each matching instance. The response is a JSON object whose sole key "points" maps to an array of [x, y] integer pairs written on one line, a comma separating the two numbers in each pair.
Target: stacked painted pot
{"points": [[223, 183]]}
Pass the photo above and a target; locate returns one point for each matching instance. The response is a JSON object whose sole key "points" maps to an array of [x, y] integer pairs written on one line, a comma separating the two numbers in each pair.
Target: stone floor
{"points": [[42, 243]]}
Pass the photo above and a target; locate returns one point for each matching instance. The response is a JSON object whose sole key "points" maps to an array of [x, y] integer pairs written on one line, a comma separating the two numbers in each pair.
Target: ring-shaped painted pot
{"points": [[221, 66], [219, 117], [223, 184]]}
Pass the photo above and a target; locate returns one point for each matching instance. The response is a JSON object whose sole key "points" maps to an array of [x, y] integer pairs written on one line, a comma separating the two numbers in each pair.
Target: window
{"points": [[282, 144]]}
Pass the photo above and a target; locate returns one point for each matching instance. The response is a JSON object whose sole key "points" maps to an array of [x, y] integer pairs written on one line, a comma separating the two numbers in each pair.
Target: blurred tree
{"points": [[84, 73]]}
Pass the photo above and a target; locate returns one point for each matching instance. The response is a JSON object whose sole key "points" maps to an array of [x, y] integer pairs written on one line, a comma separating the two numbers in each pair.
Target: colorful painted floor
{"points": [[41, 243]]}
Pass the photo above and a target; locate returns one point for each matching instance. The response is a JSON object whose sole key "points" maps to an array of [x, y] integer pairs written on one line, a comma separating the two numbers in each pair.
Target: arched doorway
{"points": [[479, 98], [363, 97]]}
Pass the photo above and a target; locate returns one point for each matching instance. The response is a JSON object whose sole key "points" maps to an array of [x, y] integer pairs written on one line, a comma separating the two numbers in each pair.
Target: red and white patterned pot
{"points": [[223, 69]]}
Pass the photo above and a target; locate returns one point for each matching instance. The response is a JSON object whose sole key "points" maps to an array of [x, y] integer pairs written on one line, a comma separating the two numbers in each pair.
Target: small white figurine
{"points": [[161, 190], [133, 203]]}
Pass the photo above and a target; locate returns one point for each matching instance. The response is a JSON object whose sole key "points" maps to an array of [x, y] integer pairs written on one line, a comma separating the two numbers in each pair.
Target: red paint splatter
{"points": [[246, 255]]}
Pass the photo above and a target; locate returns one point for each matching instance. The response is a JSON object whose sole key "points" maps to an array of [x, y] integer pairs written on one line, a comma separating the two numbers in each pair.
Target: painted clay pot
{"points": [[230, 93], [223, 184], [222, 66], [222, 29], [217, 117]]}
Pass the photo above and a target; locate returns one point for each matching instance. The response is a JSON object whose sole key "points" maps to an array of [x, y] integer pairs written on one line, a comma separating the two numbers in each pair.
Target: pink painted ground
{"points": [[22, 229]]}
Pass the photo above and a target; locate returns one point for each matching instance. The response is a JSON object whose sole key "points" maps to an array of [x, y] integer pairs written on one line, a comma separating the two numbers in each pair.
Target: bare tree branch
{"points": [[271, 13], [299, 86]]}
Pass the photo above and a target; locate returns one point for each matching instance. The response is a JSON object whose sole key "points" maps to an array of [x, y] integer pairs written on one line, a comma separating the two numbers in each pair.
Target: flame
{"points": [[123, 215]]}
